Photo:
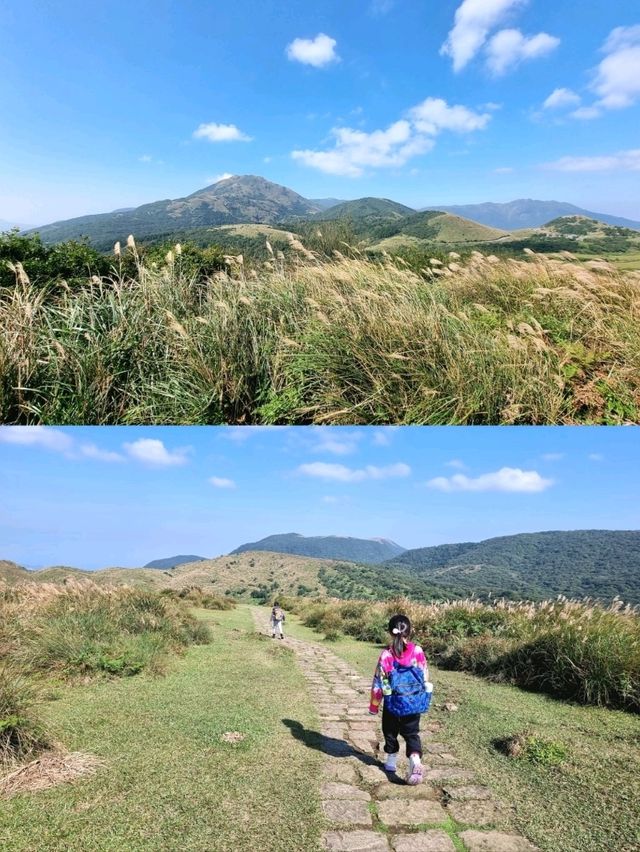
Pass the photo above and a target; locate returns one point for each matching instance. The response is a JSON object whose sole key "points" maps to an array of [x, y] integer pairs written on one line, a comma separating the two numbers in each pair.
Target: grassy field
{"points": [[533, 341], [168, 781], [588, 803]]}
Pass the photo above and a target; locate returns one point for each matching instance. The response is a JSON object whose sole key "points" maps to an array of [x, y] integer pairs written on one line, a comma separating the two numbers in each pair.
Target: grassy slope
{"points": [[588, 804], [169, 783]]}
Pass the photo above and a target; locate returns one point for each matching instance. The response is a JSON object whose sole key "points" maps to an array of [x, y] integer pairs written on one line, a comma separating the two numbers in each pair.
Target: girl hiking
{"points": [[401, 679], [277, 620]]}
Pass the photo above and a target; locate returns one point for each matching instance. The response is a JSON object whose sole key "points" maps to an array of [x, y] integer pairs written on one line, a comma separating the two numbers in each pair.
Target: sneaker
{"points": [[415, 775], [391, 765]]}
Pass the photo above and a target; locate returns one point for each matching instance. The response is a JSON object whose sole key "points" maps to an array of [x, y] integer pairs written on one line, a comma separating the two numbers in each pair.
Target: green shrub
{"points": [[21, 734]]}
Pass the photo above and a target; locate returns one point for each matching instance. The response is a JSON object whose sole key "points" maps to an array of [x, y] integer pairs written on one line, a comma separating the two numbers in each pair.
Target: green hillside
{"points": [[238, 199], [371, 551], [366, 208], [585, 563]]}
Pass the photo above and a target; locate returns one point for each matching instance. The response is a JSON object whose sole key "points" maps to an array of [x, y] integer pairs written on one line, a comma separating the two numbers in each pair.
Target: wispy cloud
{"points": [[338, 443], [152, 452], [625, 161], [474, 20], [46, 438], [218, 178], [561, 98], [90, 451], [508, 479], [381, 7], [220, 133], [457, 464], [36, 436], [221, 482], [595, 457], [318, 51], [509, 48], [552, 457], [342, 473], [355, 150]]}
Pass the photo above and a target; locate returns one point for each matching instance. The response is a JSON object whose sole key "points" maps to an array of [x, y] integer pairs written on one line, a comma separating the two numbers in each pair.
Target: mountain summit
{"points": [[234, 200], [370, 551]]}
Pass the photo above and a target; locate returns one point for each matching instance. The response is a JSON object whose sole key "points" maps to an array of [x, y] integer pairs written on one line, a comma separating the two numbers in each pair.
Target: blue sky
{"points": [[424, 101], [99, 496]]}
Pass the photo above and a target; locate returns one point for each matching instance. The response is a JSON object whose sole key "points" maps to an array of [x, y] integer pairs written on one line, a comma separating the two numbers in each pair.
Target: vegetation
{"points": [[588, 801], [601, 564], [327, 547], [350, 341], [170, 779], [574, 650], [78, 630]]}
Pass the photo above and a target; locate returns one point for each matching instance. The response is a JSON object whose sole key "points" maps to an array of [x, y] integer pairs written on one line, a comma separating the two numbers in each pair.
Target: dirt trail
{"points": [[370, 811]]}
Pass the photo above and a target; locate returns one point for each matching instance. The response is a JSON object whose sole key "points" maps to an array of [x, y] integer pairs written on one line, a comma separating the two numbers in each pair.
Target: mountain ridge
{"points": [[251, 199], [344, 548]]}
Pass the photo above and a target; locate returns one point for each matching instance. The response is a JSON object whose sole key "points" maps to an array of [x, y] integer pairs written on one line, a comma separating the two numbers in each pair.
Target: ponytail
{"points": [[400, 629]]}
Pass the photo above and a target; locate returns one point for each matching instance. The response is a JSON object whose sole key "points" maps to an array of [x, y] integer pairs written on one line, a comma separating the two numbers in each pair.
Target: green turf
{"points": [[168, 782], [589, 803]]}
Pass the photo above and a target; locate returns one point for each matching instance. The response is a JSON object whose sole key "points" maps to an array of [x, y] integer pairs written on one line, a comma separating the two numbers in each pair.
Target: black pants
{"points": [[407, 727]]}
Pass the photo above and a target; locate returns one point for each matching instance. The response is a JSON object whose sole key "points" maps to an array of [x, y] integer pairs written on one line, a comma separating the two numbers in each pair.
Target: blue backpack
{"points": [[408, 691]]}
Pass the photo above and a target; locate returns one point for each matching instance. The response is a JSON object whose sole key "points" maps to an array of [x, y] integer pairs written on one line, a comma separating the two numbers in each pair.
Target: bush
{"points": [[575, 650], [21, 734], [82, 628]]}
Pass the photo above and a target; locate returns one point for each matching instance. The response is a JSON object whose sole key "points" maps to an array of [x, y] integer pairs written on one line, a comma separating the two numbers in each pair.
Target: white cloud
{"points": [[560, 98], [221, 482], [586, 113], [46, 438], [457, 464], [90, 451], [341, 473], [617, 78], [382, 437], [145, 158], [218, 178], [627, 161], [504, 170], [355, 150], [434, 115], [153, 452], [318, 51], [37, 436], [329, 499], [240, 434], [338, 443], [596, 457], [220, 133], [552, 457], [508, 48], [507, 479], [474, 20]]}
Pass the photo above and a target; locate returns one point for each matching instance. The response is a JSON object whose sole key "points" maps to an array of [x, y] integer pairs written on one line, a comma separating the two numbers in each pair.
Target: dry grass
{"points": [[541, 340], [48, 770], [579, 650]]}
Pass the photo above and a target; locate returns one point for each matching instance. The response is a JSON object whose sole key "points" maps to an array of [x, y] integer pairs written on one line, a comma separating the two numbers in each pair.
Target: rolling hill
{"points": [[240, 199], [174, 561], [601, 564], [365, 208], [367, 551], [582, 563], [527, 213]]}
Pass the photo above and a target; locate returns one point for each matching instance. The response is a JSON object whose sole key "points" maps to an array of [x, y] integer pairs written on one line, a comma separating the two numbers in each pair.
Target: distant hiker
{"points": [[402, 680], [277, 620]]}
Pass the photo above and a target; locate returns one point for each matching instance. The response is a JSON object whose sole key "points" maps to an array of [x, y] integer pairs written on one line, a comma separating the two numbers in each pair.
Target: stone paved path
{"points": [[366, 809]]}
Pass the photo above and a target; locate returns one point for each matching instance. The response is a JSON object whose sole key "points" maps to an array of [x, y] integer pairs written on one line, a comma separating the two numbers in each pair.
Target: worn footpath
{"points": [[368, 810]]}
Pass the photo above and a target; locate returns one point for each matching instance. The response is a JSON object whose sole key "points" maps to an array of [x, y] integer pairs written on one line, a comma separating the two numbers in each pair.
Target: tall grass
{"points": [[78, 630], [577, 650], [542, 340]]}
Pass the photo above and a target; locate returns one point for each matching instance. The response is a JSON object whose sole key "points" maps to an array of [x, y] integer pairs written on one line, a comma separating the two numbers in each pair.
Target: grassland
{"points": [[169, 781], [587, 803], [349, 341]]}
